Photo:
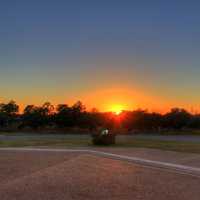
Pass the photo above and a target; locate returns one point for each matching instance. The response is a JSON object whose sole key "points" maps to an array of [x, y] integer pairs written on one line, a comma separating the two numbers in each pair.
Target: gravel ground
{"points": [[19, 164], [81, 176]]}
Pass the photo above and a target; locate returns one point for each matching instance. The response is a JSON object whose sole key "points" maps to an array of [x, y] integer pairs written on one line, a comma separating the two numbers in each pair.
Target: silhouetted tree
{"points": [[78, 107], [10, 108], [194, 122], [36, 117], [8, 113], [77, 116], [62, 116], [177, 118], [74, 116]]}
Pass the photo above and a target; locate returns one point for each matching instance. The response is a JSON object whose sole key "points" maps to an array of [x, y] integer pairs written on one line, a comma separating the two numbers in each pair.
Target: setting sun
{"points": [[117, 108]]}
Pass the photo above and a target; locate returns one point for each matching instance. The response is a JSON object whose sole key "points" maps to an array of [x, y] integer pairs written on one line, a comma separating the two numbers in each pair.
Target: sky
{"points": [[110, 53]]}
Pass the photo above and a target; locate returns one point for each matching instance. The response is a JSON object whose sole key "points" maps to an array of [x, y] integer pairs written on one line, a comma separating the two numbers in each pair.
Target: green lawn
{"points": [[46, 142], [190, 147], [191, 132]]}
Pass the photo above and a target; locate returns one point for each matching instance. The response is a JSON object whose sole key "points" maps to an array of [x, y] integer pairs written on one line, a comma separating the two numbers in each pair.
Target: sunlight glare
{"points": [[117, 109]]}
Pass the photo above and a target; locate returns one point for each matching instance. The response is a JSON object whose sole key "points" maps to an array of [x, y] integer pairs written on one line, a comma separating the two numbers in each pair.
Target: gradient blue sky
{"points": [[133, 53]]}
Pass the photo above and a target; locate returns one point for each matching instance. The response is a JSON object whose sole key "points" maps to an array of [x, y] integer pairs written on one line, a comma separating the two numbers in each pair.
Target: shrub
{"points": [[103, 138]]}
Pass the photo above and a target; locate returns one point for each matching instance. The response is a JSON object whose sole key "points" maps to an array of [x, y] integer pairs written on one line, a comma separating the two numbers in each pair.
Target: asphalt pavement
{"points": [[77, 175]]}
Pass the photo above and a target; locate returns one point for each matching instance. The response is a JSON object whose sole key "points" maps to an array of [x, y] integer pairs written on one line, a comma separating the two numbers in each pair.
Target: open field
{"points": [[66, 175], [164, 143]]}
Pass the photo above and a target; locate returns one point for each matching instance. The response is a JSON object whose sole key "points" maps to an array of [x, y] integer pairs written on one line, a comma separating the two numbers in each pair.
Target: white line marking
{"points": [[152, 163]]}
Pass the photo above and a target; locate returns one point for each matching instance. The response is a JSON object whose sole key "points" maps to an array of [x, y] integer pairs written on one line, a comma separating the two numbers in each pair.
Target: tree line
{"points": [[65, 116]]}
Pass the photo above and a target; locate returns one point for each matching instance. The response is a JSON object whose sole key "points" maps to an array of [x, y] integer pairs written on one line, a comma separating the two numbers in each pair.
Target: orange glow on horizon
{"points": [[112, 99], [117, 108]]}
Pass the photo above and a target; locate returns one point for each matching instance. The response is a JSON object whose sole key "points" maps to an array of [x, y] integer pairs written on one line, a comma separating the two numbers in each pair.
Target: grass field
{"points": [[189, 132], [190, 147], [46, 142]]}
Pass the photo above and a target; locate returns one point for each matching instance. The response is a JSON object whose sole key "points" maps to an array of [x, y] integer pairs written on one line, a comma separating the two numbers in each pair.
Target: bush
{"points": [[103, 138]]}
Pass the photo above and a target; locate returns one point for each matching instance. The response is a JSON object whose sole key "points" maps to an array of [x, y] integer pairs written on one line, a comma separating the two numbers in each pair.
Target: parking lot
{"points": [[40, 174]]}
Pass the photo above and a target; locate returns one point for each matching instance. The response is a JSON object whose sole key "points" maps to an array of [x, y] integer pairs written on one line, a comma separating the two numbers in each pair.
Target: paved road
{"points": [[65, 175]]}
